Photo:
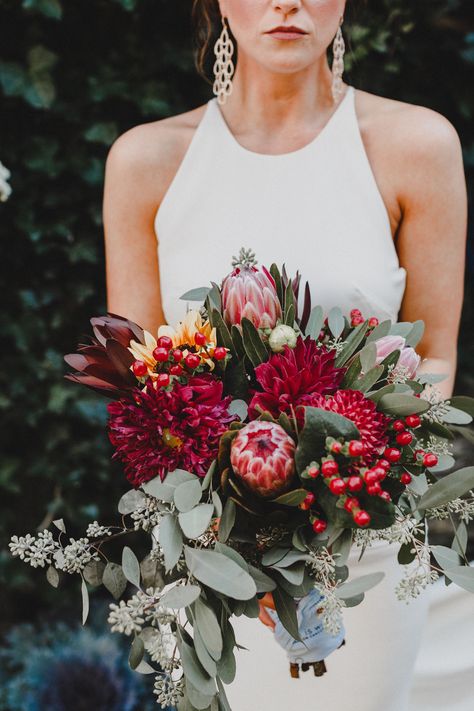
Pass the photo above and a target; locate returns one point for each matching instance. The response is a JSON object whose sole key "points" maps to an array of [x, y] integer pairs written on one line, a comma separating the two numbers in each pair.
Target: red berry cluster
{"points": [[404, 438], [173, 362], [357, 319]]}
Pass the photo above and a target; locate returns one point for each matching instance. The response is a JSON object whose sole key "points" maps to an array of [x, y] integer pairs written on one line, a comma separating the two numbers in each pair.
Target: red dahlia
{"points": [[371, 423], [296, 376], [159, 430]]}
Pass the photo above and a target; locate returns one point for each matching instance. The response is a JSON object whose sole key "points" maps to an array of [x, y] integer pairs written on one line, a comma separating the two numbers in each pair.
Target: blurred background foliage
{"points": [[75, 74]]}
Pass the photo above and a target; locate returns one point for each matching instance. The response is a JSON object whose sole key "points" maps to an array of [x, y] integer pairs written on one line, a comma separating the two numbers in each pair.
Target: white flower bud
{"points": [[282, 336]]}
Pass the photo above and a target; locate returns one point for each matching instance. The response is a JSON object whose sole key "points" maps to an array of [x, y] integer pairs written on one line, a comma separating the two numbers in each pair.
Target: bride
{"points": [[365, 195]]}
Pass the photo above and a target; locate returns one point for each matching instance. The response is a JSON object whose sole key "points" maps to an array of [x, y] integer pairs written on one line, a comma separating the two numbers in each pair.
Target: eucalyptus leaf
{"points": [[445, 461], [342, 547], [290, 558], [380, 331], [431, 378], [137, 652], [195, 522], [415, 334], [239, 408], [232, 554], [367, 381], [220, 573], [460, 540], [171, 540], [59, 523], [448, 488], [193, 669], [286, 610], [202, 652], [368, 357], [52, 576], [359, 585], [226, 666], [180, 596], [402, 405], [354, 601], [453, 416], [401, 328], [187, 495], [198, 294], [351, 344], [294, 573], [164, 490], [131, 501], [93, 572], [209, 628], [217, 504], [263, 582], [463, 576], [227, 520], [336, 322], [131, 566], [315, 323], [461, 402], [145, 668], [206, 482], [114, 579], [85, 601], [446, 557], [291, 498]]}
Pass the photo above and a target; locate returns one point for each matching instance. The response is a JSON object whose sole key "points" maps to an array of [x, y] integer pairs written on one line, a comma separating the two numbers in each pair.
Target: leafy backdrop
{"points": [[73, 76]]}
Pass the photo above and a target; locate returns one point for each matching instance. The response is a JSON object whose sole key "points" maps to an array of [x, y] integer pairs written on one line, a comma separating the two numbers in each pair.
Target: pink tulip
{"points": [[250, 293], [387, 345]]}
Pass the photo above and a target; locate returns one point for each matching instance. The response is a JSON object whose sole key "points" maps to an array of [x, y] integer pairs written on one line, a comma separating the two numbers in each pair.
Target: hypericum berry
{"points": [[398, 425], [220, 353], [192, 360], [383, 463], [160, 354], [200, 339], [406, 478], [176, 369], [337, 486], [163, 379], [385, 496], [355, 312], [373, 322], [330, 468], [351, 503], [418, 453], [413, 421], [404, 438], [356, 448], [355, 483], [362, 518], [381, 472], [430, 460], [371, 477], [374, 489], [392, 454], [357, 320], [319, 526], [165, 342], [177, 355], [314, 472], [139, 368], [336, 447], [308, 501]]}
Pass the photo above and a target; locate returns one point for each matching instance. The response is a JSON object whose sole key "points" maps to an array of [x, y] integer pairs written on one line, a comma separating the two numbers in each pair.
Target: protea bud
{"points": [[249, 292], [387, 345], [262, 456], [408, 362], [282, 336], [409, 359]]}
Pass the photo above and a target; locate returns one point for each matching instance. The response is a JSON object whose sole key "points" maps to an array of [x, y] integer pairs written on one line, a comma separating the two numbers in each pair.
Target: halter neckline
{"points": [[213, 104]]}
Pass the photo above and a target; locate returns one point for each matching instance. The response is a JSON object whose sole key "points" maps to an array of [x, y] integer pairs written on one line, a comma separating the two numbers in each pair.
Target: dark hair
{"points": [[206, 19]]}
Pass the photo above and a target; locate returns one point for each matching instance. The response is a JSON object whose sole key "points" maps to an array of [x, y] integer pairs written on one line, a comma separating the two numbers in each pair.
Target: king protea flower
{"points": [[263, 457], [249, 292], [409, 360]]}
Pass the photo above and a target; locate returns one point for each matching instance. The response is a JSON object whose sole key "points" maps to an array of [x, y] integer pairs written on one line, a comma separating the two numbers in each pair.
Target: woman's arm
{"points": [[431, 241], [139, 168]]}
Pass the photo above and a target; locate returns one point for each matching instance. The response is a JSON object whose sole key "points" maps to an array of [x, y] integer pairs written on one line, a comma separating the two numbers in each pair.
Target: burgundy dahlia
{"points": [[371, 423], [159, 430], [297, 376]]}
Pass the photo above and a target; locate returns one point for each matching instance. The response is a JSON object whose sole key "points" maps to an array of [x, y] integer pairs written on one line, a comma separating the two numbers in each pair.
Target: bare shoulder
{"points": [[150, 153], [406, 130]]}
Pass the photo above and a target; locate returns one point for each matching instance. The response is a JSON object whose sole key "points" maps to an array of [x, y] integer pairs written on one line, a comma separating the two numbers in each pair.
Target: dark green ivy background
{"points": [[74, 74]]}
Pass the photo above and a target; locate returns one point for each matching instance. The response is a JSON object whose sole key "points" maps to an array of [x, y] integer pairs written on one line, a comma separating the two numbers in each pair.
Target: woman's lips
{"points": [[290, 33]]}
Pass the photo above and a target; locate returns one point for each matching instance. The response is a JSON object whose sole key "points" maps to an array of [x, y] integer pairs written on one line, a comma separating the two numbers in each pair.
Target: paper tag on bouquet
{"points": [[316, 644]]}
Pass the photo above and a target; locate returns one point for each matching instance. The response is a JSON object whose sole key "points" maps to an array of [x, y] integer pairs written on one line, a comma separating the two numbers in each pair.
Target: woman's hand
{"points": [[264, 603]]}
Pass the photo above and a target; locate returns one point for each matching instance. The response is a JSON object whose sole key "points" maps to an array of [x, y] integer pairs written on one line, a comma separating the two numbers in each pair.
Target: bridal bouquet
{"points": [[261, 444]]}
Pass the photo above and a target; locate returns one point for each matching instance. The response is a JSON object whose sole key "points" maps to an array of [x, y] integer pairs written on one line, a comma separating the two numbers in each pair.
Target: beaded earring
{"points": [[223, 65], [338, 50]]}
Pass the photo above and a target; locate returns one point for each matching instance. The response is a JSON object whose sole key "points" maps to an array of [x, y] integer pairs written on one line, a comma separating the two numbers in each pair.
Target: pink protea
{"points": [[295, 377], [372, 424], [162, 430], [409, 360], [263, 457], [249, 292]]}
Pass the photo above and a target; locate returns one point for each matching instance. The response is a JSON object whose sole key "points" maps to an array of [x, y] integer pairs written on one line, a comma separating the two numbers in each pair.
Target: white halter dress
{"points": [[317, 209]]}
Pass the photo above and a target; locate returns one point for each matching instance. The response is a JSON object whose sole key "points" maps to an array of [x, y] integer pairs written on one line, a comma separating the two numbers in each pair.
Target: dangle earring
{"points": [[223, 66], [338, 50]]}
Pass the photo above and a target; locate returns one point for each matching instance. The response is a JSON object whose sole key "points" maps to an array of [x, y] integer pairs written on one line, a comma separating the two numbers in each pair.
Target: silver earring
{"points": [[223, 66], [338, 50]]}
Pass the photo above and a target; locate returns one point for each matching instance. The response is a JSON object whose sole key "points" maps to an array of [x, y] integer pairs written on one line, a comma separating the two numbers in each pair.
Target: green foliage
{"points": [[72, 78]]}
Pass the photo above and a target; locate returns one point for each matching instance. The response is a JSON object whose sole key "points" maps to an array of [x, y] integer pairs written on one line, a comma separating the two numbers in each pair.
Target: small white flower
{"points": [[5, 187], [95, 530], [38, 551]]}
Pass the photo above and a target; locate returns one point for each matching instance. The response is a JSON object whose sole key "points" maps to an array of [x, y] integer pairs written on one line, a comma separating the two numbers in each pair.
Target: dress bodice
{"points": [[317, 209]]}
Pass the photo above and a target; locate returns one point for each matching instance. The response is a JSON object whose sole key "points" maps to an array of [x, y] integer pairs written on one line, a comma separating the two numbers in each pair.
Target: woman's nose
{"points": [[286, 6]]}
